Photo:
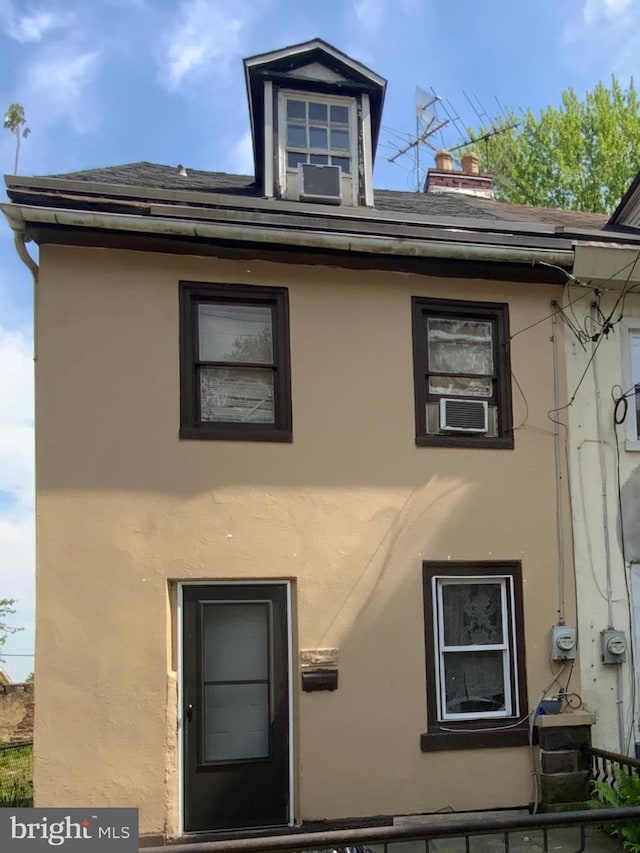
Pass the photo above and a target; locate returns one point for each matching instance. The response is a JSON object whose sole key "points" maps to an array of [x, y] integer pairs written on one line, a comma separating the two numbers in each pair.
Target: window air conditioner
{"points": [[459, 415], [320, 183]]}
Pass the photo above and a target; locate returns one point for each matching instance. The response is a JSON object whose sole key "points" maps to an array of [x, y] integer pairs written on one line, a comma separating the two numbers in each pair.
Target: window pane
{"points": [[317, 137], [460, 346], [339, 114], [235, 333], [296, 136], [236, 721], [340, 140], [474, 682], [319, 159], [295, 157], [235, 641], [237, 395], [454, 385], [472, 613], [317, 112], [295, 109], [343, 162]]}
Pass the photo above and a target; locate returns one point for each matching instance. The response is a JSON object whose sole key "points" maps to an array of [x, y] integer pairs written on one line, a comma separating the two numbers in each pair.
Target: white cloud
{"points": [[371, 14], [31, 25], [205, 34], [56, 86], [603, 38], [595, 10]]}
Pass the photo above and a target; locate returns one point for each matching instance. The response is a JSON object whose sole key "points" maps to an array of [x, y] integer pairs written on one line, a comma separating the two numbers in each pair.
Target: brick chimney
{"points": [[445, 179]]}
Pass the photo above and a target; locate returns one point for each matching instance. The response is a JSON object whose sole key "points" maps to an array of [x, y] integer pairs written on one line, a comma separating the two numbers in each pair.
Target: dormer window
{"points": [[315, 118], [319, 131]]}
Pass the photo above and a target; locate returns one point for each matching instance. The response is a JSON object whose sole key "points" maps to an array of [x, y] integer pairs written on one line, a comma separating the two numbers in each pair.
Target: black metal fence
{"points": [[16, 775], [568, 832]]}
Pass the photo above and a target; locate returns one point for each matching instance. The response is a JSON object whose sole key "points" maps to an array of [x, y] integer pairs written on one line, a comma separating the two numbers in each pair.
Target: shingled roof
{"points": [[144, 175]]}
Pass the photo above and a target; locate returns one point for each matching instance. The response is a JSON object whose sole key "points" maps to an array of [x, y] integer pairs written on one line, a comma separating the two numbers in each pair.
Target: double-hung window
{"points": [[235, 372], [462, 375], [475, 654], [318, 131]]}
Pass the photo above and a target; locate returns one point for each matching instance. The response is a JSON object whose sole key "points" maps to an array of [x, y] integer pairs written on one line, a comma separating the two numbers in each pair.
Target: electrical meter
{"points": [[563, 642], [614, 646]]}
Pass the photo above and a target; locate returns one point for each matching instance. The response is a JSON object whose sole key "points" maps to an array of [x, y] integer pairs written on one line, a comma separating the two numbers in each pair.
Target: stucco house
{"points": [[303, 520]]}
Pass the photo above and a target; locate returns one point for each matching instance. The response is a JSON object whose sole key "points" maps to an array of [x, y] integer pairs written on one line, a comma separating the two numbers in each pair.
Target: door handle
{"points": [[189, 713]]}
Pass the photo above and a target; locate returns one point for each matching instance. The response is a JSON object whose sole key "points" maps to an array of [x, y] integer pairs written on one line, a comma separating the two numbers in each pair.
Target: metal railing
{"points": [[507, 831], [604, 764], [16, 775]]}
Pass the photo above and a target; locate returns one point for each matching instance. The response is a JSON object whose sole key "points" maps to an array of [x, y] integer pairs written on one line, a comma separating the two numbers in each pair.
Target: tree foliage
{"points": [[14, 120], [581, 155]]}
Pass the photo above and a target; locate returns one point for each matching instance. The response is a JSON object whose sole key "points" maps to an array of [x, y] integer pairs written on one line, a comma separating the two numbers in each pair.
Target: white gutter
{"points": [[21, 216]]}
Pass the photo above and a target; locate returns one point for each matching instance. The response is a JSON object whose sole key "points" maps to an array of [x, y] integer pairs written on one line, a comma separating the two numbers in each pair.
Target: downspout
{"points": [[34, 269], [23, 254]]}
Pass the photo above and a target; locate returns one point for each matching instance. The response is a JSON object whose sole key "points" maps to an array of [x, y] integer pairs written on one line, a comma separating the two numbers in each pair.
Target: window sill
{"points": [[224, 433], [632, 444], [483, 738], [501, 442]]}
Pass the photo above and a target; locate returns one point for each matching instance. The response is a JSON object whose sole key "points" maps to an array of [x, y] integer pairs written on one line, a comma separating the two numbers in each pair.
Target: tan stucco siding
{"points": [[347, 511]]}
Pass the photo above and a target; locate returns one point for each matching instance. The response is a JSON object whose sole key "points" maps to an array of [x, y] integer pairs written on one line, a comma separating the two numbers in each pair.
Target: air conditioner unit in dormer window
{"points": [[460, 415], [320, 183]]}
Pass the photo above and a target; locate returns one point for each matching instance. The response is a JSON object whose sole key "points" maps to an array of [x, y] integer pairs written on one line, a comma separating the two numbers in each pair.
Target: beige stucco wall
{"points": [[347, 511]]}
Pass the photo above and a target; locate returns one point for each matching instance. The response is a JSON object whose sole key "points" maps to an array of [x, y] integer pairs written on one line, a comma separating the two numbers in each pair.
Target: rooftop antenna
{"points": [[433, 113], [485, 137], [427, 123]]}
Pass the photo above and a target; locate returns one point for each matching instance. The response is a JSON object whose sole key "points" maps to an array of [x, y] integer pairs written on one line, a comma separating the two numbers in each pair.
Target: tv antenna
{"points": [[427, 123]]}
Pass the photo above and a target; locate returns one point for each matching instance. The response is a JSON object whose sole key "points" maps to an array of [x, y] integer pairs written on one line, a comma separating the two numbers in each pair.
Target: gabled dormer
{"points": [[315, 118]]}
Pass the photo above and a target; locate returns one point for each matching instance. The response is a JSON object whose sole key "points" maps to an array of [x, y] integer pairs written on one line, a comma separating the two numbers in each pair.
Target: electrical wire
{"points": [[524, 400], [548, 316]]}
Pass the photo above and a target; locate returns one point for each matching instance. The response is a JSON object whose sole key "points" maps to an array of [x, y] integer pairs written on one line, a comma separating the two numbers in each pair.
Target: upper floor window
{"points": [[462, 373], [235, 373], [317, 148], [318, 131]]}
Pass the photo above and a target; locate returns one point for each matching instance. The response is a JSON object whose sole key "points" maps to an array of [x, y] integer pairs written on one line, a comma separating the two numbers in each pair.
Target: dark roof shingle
{"points": [[449, 205]]}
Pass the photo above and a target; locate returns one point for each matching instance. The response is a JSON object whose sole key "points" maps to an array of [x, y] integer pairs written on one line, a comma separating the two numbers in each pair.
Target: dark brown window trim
{"points": [[474, 734], [498, 312], [191, 295]]}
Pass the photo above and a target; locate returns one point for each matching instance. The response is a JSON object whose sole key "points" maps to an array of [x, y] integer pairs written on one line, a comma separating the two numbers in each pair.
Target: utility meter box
{"points": [[614, 646], [563, 642]]}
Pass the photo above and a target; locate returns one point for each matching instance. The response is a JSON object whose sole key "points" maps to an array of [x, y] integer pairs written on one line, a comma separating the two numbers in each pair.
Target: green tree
{"points": [[581, 155], [6, 609], [14, 120]]}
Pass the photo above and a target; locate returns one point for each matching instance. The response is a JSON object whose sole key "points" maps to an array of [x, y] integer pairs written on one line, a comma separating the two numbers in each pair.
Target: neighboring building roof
{"points": [[627, 213]]}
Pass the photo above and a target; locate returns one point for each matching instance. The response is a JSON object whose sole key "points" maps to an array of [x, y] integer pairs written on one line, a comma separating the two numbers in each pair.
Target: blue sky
{"points": [[116, 81]]}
